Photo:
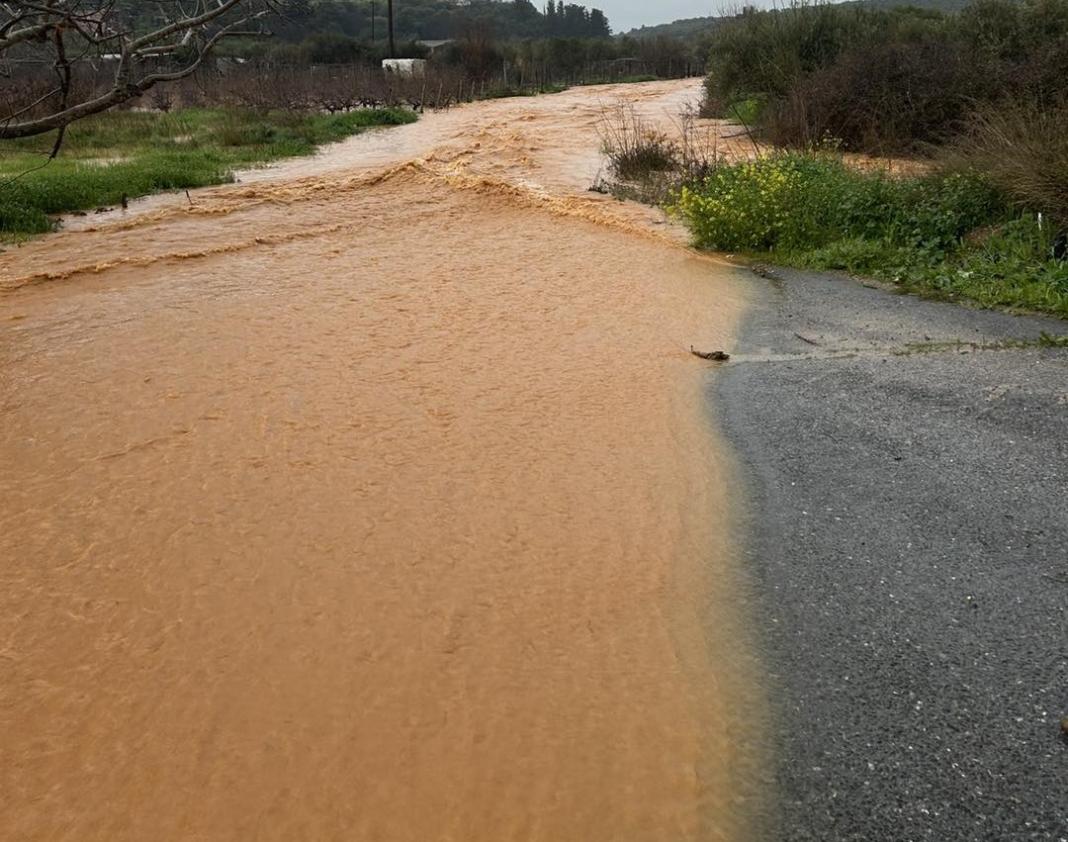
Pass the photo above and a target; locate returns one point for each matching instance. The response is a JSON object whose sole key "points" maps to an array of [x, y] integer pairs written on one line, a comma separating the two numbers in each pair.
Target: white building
{"points": [[405, 66]]}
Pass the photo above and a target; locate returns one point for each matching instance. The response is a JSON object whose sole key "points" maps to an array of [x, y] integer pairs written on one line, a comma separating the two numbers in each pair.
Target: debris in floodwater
{"points": [[716, 356]]}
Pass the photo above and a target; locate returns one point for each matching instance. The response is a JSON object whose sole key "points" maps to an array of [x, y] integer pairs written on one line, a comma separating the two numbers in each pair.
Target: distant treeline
{"points": [[479, 56], [442, 19]]}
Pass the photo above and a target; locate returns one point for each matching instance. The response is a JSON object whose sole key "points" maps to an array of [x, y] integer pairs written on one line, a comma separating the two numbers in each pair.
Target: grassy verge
{"points": [[949, 235], [134, 154]]}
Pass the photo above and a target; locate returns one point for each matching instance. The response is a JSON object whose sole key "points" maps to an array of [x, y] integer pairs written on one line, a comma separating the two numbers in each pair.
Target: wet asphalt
{"points": [[906, 474]]}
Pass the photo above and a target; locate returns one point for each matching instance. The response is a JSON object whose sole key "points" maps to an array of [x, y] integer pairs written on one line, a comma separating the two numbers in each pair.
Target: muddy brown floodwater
{"points": [[373, 499]]}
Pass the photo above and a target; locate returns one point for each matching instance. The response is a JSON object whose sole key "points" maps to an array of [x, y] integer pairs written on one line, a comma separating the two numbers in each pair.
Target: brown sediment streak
{"points": [[373, 505], [7, 285], [598, 212]]}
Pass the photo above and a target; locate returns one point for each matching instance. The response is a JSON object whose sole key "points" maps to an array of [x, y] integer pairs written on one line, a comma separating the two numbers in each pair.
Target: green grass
{"points": [[135, 154], [746, 111], [950, 236]]}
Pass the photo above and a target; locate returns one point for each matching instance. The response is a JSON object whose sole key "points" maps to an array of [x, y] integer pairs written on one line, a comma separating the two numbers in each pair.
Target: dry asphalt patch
{"points": [[907, 472]]}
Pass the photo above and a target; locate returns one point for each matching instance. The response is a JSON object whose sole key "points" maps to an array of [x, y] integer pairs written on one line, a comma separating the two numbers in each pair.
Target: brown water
{"points": [[373, 500]]}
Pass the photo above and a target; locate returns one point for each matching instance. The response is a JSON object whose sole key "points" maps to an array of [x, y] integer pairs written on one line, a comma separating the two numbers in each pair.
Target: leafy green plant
{"points": [[747, 111], [950, 235], [792, 201]]}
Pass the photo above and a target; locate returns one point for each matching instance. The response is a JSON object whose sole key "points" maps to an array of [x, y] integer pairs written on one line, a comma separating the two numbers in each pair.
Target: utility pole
{"points": [[392, 43], [373, 38]]}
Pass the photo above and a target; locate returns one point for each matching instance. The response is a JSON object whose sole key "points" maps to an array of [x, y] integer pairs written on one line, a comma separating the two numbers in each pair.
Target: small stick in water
{"points": [[716, 356]]}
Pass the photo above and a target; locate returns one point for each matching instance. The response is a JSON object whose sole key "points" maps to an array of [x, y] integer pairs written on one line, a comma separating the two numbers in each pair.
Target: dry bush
{"points": [[888, 99], [886, 81], [1023, 149], [699, 146], [162, 99], [31, 92], [636, 151], [650, 165]]}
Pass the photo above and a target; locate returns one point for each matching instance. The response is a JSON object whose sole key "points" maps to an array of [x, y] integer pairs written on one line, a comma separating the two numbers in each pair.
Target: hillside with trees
{"points": [[364, 20]]}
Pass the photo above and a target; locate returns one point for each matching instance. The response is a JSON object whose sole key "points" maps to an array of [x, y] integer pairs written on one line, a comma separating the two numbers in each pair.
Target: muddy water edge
{"points": [[380, 505]]}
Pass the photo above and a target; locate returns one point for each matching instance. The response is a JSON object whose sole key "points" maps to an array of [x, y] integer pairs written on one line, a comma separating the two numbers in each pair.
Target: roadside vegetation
{"points": [[174, 117], [886, 81], [976, 100], [129, 154], [946, 234]]}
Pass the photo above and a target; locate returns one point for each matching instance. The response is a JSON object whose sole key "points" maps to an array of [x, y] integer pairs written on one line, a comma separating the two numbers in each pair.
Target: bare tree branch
{"points": [[47, 30]]}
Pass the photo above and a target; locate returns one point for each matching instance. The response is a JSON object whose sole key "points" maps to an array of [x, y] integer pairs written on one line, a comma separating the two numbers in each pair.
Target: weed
{"points": [[949, 235], [793, 201], [1048, 340], [747, 111], [650, 165], [1023, 148], [636, 151]]}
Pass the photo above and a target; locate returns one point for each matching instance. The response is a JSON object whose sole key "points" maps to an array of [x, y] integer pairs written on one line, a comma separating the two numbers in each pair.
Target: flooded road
{"points": [[373, 499]]}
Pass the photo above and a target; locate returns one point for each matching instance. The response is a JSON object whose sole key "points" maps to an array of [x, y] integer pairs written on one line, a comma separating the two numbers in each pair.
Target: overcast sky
{"points": [[627, 14]]}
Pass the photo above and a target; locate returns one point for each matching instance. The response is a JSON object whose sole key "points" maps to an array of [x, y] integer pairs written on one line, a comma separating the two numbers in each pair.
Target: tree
{"points": [[143, 43], [599, 27]]}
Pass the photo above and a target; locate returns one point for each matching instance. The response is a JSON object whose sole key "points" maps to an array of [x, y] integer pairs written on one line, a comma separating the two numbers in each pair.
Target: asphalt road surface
{"points": [[909, 539]]}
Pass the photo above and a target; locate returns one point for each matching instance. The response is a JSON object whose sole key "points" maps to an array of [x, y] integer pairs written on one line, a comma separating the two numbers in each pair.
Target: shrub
{"points": [[763, 53], [635, 150], [649, 153], [949, 234], [761, 205], [1023, 149], [746, 111], [886, 98], [795, 201], [886, 80]]}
